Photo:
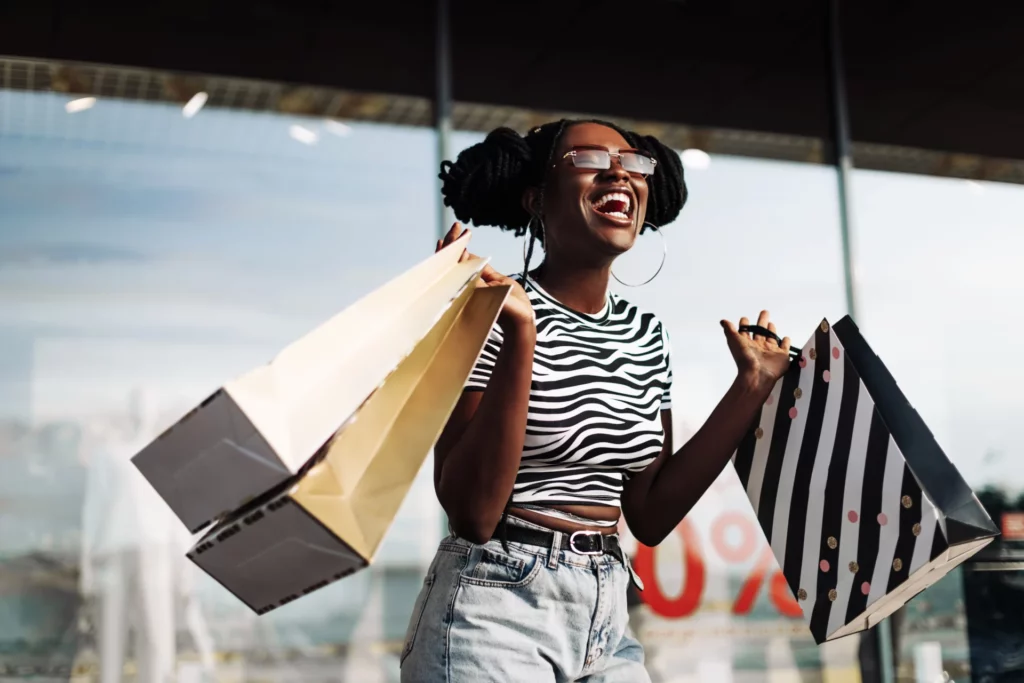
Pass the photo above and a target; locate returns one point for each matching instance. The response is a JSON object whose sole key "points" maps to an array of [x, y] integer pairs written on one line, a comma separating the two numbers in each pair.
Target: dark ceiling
{"points": [[935, 75]]}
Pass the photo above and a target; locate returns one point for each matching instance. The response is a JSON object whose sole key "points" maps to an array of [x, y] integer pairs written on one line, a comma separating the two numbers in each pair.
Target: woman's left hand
{"points": [[761, 361]]}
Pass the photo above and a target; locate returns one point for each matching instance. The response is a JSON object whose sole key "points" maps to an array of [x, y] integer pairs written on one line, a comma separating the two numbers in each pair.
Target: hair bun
{"points": [[485, 184], [668, 184]]}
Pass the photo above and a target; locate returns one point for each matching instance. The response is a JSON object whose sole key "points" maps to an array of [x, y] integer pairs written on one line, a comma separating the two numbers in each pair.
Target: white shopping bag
{"points": [[330, 521]]}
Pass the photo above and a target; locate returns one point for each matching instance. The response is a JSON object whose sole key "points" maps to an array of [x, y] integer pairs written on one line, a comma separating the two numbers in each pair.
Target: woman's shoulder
{"points": [[629, 310]]}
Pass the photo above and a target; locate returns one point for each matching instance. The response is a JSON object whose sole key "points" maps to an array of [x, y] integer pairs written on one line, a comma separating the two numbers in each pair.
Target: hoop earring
{"points": [[664, 254]]}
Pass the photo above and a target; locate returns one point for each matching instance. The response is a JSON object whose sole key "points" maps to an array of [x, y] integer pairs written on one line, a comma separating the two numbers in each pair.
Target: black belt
{"points": [[579, 542]]}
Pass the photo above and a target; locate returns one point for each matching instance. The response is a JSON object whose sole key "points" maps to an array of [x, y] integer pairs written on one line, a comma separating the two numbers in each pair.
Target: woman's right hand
{"points": [[517, 313]]}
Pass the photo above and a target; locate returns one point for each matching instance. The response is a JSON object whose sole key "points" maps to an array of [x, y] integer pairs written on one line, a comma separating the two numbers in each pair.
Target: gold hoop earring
{"points": [[664, 255]]}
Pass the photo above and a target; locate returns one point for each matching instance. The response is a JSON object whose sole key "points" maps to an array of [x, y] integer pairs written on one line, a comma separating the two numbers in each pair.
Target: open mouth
{"points": [[617, 205]]}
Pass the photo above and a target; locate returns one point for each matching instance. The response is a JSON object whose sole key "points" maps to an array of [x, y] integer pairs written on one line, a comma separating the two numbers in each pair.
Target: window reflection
{"points": [[145, 258], [936, 264]]}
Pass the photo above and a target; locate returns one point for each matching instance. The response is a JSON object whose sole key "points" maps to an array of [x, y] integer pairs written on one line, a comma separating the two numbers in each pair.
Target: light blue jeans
{"points": [[530, 615]]}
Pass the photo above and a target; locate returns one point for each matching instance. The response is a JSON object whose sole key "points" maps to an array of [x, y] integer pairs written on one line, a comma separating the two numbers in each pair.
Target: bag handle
{"points": [[765, 332]]}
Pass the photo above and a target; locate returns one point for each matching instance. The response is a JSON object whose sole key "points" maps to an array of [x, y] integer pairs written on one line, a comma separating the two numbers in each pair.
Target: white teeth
{"points": [[615, 196]]}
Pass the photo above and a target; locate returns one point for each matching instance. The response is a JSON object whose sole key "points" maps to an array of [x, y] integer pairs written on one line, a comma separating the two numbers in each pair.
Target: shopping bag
{"points": [[330, 521], [262, 428], [862, 508]]}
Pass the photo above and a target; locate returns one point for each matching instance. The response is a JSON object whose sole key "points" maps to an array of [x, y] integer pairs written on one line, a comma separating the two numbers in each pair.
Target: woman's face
{"points": [[592, 215]]}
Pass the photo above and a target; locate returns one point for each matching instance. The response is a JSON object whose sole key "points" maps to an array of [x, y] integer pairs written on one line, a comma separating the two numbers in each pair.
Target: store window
{"points": [[937, 268], [145, 258]]}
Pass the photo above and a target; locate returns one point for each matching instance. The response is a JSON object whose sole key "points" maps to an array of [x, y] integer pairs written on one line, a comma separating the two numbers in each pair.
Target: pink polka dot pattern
{"points": [[865, 588], [852, 516], [835, 352], [803, 362], [770, 400], [882, 519], [827, 376], [793, 413], [824, 565]]}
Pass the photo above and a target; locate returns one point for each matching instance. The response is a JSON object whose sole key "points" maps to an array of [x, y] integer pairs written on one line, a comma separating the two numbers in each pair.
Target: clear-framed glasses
{"points": [[600, 159]]}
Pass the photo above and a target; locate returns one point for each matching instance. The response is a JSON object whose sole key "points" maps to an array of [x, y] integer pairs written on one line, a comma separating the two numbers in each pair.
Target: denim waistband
{"points": [[562, 556]]}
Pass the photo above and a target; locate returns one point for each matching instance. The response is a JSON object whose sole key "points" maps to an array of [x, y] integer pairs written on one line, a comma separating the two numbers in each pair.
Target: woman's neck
{"points": [[580, 288]]}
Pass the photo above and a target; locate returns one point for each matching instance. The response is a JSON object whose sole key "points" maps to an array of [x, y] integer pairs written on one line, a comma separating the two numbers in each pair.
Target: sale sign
{"points": [[751, 548], [715, 605], [719, 537]]}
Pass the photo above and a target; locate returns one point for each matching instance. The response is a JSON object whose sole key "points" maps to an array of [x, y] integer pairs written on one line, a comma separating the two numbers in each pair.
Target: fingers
{"points": [[452, 235], [730, 331], [762, 321], [489, 274], [786, 344]]}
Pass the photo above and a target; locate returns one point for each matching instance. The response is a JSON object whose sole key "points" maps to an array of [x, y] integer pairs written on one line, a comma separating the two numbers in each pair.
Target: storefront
{"points": [[152, 246]]}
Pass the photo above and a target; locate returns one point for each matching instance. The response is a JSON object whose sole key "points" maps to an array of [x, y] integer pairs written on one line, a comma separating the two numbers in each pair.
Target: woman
{"points": [[566, 421]]}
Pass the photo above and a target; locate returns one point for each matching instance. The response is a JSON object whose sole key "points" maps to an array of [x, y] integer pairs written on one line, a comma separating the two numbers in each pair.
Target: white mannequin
{"points": [[133, 567]]}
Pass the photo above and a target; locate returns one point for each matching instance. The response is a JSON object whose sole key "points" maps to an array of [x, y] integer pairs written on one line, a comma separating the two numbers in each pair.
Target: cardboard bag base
{"points": [[273, 554], [329, 521], [920, 580]]}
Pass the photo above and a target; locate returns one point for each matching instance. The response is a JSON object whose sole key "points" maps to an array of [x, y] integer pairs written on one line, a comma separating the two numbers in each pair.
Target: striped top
{"points": [[599, 385]]}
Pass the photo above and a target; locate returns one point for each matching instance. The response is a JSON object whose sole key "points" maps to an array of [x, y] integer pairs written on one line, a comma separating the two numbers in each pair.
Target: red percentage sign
{"points": [[778, 590], [693, 588], [693, 558]]}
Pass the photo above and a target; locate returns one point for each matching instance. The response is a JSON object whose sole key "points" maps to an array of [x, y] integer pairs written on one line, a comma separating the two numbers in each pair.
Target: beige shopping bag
{"points": [[331, 520], [262, 428]]}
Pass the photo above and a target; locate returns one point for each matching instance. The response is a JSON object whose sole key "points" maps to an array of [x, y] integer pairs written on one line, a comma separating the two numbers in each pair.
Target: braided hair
{"points": [[485, 185]]}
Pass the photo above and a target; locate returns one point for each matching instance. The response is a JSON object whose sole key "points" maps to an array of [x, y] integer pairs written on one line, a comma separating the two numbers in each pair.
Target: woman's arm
{"points": [[476, 459], [657, 499]]}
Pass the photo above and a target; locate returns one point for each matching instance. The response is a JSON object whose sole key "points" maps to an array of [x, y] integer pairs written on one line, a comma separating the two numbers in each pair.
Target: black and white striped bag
{"points": [[861, 507]]}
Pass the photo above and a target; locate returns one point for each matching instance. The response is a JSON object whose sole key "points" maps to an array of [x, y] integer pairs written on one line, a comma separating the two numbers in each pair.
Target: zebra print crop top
{"points": [[600, 383]]}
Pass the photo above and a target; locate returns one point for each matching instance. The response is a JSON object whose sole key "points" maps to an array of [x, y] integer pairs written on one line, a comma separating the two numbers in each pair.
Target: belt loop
{"points": [[556, 547]]}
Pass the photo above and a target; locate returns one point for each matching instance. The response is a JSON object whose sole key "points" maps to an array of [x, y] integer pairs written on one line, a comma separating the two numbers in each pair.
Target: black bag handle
{"points": [[765, 332]]}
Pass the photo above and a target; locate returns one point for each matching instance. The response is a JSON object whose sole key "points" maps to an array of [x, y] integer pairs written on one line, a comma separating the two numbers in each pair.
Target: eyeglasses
{"points": [[600, 159]]}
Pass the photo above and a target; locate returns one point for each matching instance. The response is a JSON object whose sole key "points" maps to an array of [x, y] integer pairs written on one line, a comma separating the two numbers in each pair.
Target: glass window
{"points": [[937, 263], [146, 258]]}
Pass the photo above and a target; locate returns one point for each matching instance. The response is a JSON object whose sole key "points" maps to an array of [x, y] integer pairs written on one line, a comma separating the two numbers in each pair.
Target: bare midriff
{"points": [[595, 512]]}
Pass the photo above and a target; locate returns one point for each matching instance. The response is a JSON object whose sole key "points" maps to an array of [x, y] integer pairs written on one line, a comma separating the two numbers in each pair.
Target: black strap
{"points": [[582, 543], [765, 332]]}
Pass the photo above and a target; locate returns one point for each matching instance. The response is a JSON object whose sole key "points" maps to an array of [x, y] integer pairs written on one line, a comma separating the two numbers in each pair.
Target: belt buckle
{"points": [[572, 543]]}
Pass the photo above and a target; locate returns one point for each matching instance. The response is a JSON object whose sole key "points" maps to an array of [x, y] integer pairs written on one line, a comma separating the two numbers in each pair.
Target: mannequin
{"points": [[133, 566]]}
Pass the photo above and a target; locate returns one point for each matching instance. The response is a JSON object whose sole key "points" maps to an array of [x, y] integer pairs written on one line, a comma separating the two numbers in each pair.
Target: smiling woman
{"points": [[499, 181], [565, 424]]}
